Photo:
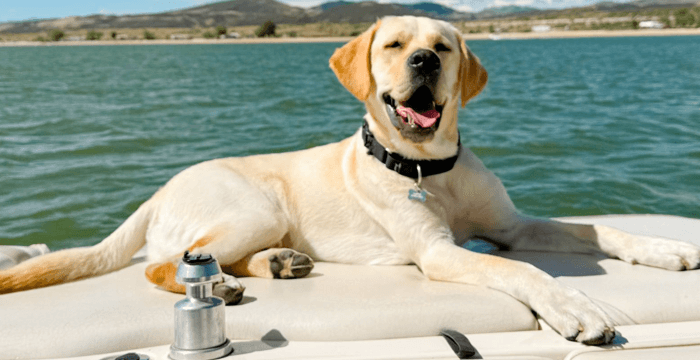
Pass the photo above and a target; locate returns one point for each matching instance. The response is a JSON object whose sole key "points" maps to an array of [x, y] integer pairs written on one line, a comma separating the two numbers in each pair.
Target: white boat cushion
{"points": [[13, 255], [631, 294], [122, 310]]}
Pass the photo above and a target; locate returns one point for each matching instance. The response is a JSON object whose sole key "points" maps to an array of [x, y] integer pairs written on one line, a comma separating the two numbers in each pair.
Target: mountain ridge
{"points": [[255, 12]]}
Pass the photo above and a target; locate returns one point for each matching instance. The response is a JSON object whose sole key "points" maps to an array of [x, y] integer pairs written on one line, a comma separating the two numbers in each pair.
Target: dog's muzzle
{"points": [[418, 116], [425, 64]]}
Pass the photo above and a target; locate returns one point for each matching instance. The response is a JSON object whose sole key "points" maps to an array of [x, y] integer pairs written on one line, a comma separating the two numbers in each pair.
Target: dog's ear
{"points": [[472, 75], [351, 64]]}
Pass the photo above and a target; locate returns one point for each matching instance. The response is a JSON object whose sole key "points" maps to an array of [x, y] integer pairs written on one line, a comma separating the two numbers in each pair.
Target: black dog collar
{"points": [[403, 166]]}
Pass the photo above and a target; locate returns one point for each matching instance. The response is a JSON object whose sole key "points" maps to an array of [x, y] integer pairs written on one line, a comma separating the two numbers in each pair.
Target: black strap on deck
{"points": [[459, 344]]}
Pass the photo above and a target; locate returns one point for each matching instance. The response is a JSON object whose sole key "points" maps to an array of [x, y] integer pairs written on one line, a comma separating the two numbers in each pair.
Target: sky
{"points": [[16, 10]]}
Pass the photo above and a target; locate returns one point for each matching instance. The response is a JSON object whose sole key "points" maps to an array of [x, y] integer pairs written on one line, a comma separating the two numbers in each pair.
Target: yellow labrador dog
{"points": [[399, 191]]}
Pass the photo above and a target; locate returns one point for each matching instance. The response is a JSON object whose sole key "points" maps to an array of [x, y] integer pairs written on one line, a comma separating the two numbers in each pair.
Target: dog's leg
{"points": [[163, 275], [567, 310], [228, 245], [550, 235], [274, 263]]}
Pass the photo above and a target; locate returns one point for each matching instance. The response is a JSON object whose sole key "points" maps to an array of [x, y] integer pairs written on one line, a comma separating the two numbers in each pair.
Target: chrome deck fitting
{"points": [[200, 324]]}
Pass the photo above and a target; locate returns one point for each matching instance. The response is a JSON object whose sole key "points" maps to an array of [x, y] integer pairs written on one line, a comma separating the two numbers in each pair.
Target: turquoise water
{"points": [[573, 127]]}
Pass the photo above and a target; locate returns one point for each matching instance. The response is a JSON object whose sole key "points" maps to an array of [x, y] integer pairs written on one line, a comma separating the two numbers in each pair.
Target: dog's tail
{"points": [[68, 265]]}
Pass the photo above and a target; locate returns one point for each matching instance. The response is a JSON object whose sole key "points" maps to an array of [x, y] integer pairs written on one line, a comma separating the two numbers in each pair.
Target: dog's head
{"points": [[413, 74]]}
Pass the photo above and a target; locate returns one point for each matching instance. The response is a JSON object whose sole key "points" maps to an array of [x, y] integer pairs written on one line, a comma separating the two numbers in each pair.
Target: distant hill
{"points": [[664, 3], [330, 5], [370, 11], [229, 13], [240, 12], [244, 12], [255, 12], [365, 10], [432, 8], [613, 6], [361, 12], [506, 11]]}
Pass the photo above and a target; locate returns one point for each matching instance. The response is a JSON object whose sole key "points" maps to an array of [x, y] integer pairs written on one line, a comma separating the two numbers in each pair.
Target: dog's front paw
{"points": [[574, 316], [652, 251], [662, 253]]}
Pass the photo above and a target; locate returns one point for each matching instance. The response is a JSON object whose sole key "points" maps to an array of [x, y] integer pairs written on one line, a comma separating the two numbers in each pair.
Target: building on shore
{"points": [[650, 24]]}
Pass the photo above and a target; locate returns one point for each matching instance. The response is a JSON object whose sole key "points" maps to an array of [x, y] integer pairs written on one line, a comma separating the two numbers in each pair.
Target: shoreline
{"points": [[293, 40], [571, 34], [196, 41]]}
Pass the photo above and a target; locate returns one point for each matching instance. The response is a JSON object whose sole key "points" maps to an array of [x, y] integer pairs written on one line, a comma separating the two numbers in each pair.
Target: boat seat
{"points": [[122, 310]]}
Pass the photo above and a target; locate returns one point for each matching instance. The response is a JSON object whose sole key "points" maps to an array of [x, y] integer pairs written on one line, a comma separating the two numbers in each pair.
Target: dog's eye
{"points": [[394, 45], [441, 47]]}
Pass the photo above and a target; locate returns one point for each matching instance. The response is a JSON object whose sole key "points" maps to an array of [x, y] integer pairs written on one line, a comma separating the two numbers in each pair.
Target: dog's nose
{"points": [[424, 61]]}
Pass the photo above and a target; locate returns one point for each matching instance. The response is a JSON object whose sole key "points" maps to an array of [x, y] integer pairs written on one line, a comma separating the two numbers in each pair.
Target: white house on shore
{"points": [[650, 24], [180, 37]]}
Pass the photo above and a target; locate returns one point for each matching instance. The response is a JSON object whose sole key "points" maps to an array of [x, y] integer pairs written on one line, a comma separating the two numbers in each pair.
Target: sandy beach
{"points": [[586, 33], [196, 41], [282, 40]]}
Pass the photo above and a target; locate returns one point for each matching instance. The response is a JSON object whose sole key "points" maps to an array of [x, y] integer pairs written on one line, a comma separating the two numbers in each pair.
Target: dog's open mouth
{"points": [[418, 114]]}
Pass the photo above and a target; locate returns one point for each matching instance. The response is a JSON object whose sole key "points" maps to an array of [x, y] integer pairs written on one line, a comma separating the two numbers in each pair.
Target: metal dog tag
{"points": [[419, 195]]}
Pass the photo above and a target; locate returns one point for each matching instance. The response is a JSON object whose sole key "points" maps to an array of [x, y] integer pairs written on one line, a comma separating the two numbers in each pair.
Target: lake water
{"points": [[573, 127]]}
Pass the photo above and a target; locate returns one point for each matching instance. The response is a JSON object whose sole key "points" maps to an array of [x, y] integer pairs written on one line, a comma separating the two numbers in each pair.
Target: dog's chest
{"points": [[354, 239]]}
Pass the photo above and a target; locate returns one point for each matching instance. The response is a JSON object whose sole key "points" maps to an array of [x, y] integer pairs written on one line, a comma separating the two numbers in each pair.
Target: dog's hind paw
{"points": [[290, 264], [231, 290], [275, 263]]}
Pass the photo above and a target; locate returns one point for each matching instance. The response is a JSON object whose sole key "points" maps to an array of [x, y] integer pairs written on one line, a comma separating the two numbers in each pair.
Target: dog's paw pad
{"points": [[289, 264], [231, 295]]}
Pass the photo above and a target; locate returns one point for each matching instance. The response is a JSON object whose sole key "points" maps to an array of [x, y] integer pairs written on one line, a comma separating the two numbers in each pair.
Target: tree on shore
{"points": [[684, 18], [220, 30], [56, 35], [266, 29], [94, 35]]}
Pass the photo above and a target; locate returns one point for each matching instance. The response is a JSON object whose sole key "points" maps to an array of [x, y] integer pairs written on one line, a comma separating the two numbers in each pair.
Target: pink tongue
{"points": [[424, 120]]}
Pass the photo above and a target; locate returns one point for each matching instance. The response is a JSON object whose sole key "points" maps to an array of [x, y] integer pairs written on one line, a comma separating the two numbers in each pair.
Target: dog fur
{"points": [[273, 215]]}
